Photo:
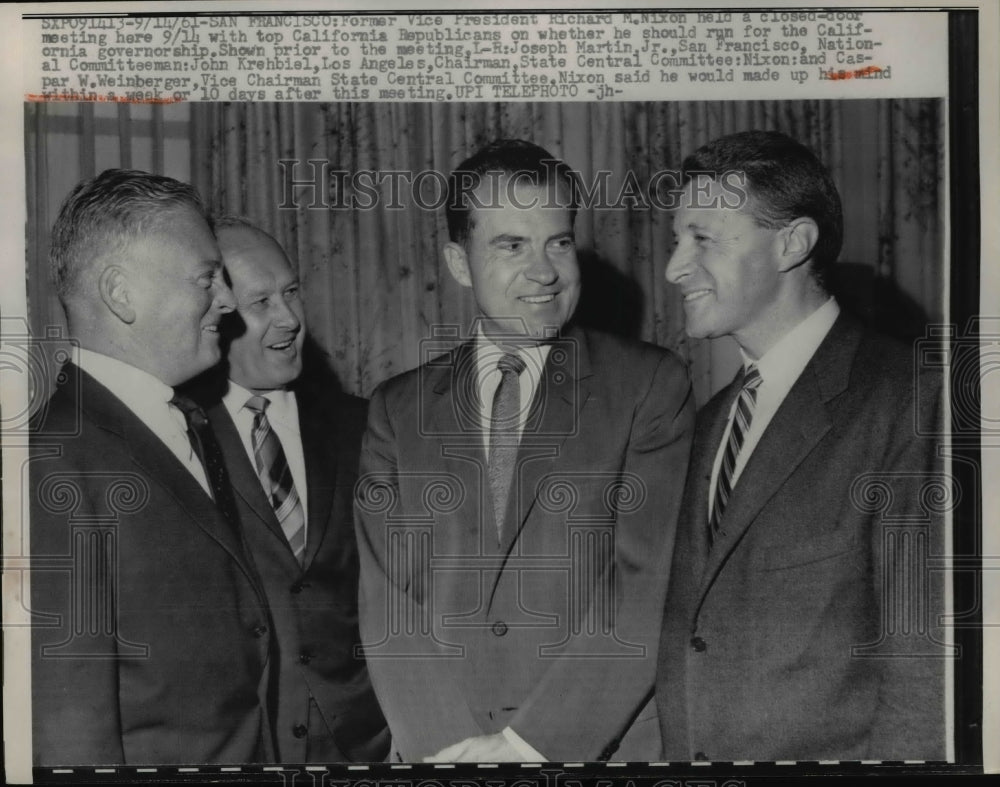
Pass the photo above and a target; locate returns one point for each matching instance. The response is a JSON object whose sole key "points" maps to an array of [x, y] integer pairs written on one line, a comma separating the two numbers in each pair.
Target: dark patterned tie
{"points": [[206, 448], [276, 478], [741, 425], [504, 435]]}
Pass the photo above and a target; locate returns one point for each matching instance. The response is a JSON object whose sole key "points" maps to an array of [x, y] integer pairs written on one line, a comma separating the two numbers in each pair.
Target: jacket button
{"points": [[305, 657], [499, 628], [700, 756], [259, 630], [297, 587], [300, 731], [698, 644]]}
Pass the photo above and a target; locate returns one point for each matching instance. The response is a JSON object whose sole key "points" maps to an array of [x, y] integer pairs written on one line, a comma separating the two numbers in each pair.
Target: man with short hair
{"points": [[517, 500], [149, 645], [292, 453], [782, 637]]}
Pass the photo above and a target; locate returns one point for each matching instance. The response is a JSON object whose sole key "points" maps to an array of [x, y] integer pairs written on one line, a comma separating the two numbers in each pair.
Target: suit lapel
{"points": [[320, 444], [712, 424], [555, 411], [800, 423], [562, 393], [159, 465], [450, 414], [242, 473]]}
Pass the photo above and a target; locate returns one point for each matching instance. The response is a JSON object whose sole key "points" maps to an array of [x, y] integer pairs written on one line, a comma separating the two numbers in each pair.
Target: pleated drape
{"points": [[375, 288]]}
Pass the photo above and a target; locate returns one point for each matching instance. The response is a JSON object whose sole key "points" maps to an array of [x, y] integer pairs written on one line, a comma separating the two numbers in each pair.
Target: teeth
{"points": [[537, 298], [213, 328], [691, 296], [281, 345]]}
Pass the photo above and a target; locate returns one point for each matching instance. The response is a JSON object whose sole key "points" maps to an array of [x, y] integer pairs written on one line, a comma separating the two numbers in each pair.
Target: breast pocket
{"points": [[809, 549]]}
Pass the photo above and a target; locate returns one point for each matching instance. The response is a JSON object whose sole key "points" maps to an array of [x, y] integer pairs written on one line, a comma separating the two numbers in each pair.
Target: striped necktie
{"points": [[504, 435], [276, 478], [741, 425]]}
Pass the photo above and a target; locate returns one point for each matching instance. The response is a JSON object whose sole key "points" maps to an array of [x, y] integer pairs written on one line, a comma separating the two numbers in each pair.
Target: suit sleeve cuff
{"points": [[523, 748]]}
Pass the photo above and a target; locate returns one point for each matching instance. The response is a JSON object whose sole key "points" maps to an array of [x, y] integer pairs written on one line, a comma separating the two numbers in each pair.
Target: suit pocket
{"points": [[810, 549]]}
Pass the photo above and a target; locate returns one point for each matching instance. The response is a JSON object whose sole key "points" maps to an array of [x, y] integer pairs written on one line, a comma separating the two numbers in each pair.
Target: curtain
{"points": [[378, 298]]}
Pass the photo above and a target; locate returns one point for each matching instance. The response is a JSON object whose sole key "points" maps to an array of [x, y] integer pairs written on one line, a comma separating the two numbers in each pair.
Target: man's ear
{"points": [[458, 263], [113, 286], [798, 240]]}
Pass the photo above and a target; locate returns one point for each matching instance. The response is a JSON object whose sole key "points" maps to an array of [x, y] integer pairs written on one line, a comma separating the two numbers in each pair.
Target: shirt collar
{"points": [[488, 353], [785, 361], [236, 396], [134, 386]]}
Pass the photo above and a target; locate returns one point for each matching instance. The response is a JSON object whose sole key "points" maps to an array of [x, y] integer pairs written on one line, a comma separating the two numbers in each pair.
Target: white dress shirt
{"points": [[149, 398], [779, 368], [283, 416]]}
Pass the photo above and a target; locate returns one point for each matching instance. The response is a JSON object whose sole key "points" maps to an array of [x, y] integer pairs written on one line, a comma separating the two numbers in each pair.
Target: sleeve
{"points": [[586, 700], [74, 669], [412, 674], [909, 550]]}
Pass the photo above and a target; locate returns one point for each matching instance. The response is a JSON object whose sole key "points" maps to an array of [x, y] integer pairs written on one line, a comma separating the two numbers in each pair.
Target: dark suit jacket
{"points": [[553, 631], [314, 608], [796, 636], [149, 642]]}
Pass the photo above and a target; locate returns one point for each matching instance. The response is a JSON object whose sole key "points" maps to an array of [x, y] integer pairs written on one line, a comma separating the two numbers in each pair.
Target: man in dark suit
{"points": [[802, 619], [150, 641], [518, 498], [292, 454]]}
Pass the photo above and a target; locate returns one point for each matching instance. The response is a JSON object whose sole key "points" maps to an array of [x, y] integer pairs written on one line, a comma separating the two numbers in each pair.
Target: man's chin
{"points": [[286, 374]]}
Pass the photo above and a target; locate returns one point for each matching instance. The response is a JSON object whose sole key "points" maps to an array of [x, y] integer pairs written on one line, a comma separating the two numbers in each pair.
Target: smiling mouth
{"points": [[282, 346], [695, 295], [537, 299]]}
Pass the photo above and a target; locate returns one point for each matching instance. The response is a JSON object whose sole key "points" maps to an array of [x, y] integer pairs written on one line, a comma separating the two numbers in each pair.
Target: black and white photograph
{"points": [[627, 434]]}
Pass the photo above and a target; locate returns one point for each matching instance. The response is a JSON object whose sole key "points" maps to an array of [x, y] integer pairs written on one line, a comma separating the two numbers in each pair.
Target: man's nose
{"points": [[224, 300], [287, 318], [541, 269], [679, 264]]}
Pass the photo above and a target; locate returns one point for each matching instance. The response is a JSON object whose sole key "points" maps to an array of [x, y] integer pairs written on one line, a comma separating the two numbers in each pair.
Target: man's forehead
{"points": [[256, 262], [707, 198], [507, 195], [494, 184]]}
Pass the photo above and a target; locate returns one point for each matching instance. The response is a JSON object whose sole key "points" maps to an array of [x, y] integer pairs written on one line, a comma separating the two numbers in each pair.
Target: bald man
{"points": [[292, 453]]}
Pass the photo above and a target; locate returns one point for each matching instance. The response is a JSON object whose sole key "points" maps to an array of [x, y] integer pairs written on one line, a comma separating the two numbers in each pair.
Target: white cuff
{"points": [[524, 749]]}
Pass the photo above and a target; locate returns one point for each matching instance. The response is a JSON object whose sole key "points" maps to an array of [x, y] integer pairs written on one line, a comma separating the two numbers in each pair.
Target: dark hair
{"points": [[104, 213], [516, 157], [784, 181]]}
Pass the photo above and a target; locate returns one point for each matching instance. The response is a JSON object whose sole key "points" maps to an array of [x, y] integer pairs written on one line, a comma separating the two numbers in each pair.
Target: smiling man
{"points": [[797, 626], [292, 453], [518, 500], [145, 649]]}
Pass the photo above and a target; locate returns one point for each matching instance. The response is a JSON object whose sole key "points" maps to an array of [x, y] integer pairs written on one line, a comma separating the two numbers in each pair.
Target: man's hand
{"points": [[482, 748]]}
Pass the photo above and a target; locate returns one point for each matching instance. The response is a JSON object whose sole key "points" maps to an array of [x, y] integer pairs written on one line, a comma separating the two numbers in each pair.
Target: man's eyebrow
{"points": [[506, 238], [254, 294]]}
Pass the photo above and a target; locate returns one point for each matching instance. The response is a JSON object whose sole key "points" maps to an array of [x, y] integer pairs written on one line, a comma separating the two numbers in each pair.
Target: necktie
{"points": [[741, 425], [503, 435], [276, 478], [206, 448]]}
